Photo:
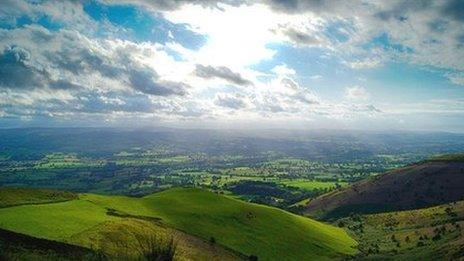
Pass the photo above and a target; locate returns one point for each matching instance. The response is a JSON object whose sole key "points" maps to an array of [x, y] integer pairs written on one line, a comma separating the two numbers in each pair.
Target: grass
{"points": [[312, 185], [120, 237], [267, 232], [247, 228], [18, 196], [57, 221], [399, 234], [16, 246]]}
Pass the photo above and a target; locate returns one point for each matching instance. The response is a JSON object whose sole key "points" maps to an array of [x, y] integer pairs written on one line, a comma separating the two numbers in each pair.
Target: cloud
{"points": [[221, 72], [283, 70], [147, 82], [300, 38], [316, 77], [17, 72], [454, 9], [356, 93], [82, 67], [64, 74], [233, 101], [169, 5], [301, 6], [368, 63], [456, 78]]}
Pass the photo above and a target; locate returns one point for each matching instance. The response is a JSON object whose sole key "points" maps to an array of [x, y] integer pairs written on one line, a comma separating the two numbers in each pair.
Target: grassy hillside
{"points": [[18, 196], [422, 185], [16, 246], [267, 232], [435, 233], [251, 229]]}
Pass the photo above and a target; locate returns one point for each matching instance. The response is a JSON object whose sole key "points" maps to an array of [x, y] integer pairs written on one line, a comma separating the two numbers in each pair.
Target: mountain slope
{"points": [[19, 196], [430, 183], [435, 233], [16, 246], [250, 229]]}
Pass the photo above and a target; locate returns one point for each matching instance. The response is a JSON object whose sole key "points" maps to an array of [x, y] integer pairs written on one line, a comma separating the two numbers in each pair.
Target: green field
{"points": [[448, 157], [313, 185], [269, 233]]}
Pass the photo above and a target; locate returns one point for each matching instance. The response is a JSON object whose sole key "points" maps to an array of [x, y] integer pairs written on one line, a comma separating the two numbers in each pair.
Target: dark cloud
{"points": [[438, 26], [146, 81], [78, 59], [221, 72], [454, 9], [298, 6], [16, 72], [64, 85], [372, 108], [300, 38], [400, 10]]}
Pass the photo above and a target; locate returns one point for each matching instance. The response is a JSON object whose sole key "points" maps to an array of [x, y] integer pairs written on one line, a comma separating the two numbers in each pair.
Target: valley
{"points": [[226, 199]]}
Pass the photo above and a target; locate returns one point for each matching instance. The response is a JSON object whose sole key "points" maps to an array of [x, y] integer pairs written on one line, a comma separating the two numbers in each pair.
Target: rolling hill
{"points": [[436, 181], [16, 246], [205, 225]]}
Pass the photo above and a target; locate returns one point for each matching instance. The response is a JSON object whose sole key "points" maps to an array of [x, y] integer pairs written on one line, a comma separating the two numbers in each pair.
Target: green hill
{"points": [[16, 246], [19, 196], [251, 229]]}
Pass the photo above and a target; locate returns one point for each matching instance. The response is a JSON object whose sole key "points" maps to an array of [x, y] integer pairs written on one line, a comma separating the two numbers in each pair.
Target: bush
{"points": [[212, 240], [153, 248]]}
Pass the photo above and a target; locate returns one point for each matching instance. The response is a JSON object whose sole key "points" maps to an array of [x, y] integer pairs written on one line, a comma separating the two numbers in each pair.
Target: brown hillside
{"points": [[417, 186]]}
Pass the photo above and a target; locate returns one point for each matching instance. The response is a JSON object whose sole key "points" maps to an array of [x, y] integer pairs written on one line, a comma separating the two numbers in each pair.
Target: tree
{"points": [[253, 258], [212, 240]]}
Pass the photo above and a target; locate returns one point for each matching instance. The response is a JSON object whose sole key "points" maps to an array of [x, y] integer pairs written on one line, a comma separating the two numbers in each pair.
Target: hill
{"points": [[16, 246], [233, 228], [19, 196], [435, 233], [430, 183]]}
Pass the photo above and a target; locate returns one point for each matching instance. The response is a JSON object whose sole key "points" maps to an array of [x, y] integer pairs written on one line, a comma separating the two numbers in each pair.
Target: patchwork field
{"points": [[313, 185]]}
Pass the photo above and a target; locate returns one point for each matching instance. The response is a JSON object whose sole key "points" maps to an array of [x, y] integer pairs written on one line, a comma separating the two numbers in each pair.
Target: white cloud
{"points": [[367, 63], [283, 70], [85, 72], [356, 93], [456, 78]]}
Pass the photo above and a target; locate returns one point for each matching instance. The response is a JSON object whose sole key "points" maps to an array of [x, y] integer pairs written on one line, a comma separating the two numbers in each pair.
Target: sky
{"points": [[302, 64]]}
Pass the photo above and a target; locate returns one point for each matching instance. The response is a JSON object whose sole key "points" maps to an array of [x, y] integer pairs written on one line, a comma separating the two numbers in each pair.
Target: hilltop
{"points": [[429, 183], [205, 225]]}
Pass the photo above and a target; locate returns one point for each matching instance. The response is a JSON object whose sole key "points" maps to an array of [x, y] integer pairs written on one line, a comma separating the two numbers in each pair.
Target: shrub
{"points": [[212, 240], [153, 248]]}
